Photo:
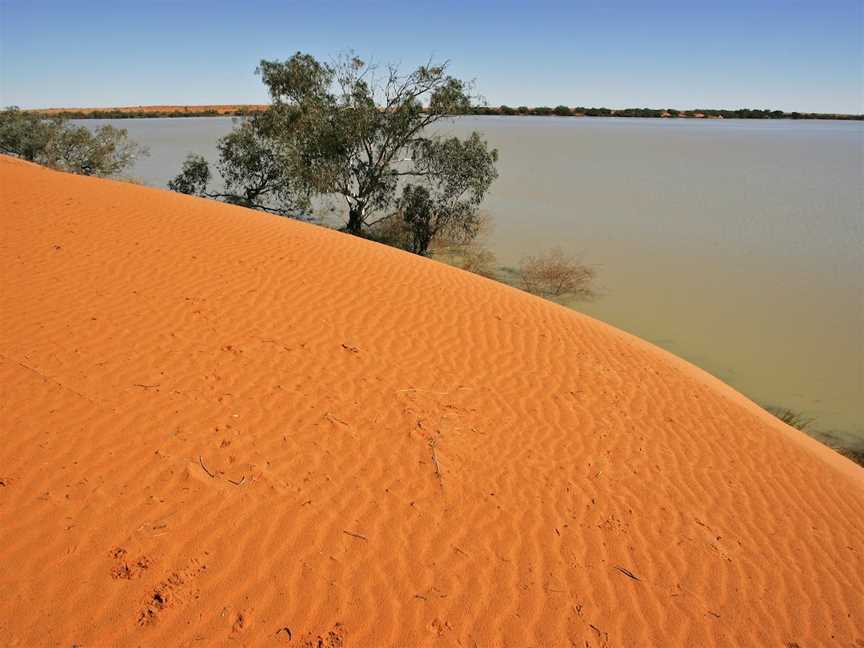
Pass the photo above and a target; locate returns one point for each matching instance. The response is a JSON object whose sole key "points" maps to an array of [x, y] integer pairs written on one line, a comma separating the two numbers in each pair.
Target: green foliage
{"points": [[24, 134], [193, 177], [55, 143], [452, 177], [105, 152], [598, 112], [255, 168], [419, 214], [346, 129], [299, 79], [742, 113]]}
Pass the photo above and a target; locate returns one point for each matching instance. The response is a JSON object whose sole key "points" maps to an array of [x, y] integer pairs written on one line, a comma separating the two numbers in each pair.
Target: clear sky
{"points": [[783, 54]]}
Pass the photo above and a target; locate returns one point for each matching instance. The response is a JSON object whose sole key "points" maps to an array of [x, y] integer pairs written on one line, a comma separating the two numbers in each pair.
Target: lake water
{"points": [[738, 245]]}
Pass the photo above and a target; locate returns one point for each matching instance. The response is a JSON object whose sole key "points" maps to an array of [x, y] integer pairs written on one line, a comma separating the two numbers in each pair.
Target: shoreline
{"points": [[239, 110]]}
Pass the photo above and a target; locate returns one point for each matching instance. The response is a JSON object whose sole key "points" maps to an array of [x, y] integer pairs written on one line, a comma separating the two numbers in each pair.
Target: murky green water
{"points": [[738, 245]]}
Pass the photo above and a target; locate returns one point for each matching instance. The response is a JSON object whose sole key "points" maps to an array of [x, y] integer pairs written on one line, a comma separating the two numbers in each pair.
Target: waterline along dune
{"points": [[221, 427]]}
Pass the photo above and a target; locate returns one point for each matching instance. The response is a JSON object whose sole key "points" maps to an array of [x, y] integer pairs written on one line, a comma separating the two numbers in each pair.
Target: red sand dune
{"points": [[226, 428]]}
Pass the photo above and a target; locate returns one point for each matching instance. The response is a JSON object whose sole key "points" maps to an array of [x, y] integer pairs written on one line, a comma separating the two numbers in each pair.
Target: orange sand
{"points": [[222, 428]]}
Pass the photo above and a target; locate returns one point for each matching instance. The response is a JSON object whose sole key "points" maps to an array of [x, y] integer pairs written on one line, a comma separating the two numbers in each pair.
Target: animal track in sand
{"points": [[170, 592], [124, 569], [335, 638]]}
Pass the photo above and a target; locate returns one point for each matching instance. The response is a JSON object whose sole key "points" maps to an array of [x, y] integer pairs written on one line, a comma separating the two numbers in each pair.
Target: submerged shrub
{"points": [[855, 455], [831, 439], [791, 417], [478, 260], [465, 248], [557, 275]]}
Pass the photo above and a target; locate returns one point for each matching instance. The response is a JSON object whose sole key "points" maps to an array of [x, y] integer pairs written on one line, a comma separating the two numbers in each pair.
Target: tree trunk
{"points": [[355, 219], [422, 239]]}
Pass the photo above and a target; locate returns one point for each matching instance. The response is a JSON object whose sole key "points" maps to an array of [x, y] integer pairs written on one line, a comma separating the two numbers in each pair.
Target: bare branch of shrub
{"points": [[478, 260], [557, 275]]}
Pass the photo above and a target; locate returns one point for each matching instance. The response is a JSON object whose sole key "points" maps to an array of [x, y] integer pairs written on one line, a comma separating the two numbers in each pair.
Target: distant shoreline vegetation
{"points": [[537, 111], [137, 112]]}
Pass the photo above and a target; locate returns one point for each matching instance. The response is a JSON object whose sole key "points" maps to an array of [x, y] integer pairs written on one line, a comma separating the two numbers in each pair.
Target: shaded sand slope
{"points": [[222, 428]]}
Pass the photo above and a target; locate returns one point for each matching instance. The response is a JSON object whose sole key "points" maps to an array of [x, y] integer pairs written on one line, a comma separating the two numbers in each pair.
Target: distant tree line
{"points": [[540, 111], [670, 113], [137, 114]]}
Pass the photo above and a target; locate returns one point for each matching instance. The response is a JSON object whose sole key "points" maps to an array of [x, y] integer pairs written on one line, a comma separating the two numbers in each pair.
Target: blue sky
{"points": [[785, 54]]}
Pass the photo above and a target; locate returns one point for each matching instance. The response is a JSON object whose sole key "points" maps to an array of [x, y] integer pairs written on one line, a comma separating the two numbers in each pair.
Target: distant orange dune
{"points": [[222, 427], [221, 109]]}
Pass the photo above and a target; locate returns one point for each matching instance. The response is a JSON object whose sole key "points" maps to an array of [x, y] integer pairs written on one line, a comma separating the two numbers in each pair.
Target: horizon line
{"points": [[165, 107]]}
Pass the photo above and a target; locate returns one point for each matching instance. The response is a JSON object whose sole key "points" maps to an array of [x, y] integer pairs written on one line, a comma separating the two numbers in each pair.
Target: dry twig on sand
{"points": [[432, 443], [627, 573], [201, 461], [335, 420], [355, 535]]}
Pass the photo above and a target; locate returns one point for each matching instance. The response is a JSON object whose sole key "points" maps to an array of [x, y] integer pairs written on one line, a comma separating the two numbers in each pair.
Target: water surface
{"points": [[738, 245]]}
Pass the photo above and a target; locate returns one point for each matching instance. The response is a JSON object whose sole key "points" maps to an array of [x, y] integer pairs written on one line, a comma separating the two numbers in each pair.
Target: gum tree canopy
{"points": [[352, 130]]}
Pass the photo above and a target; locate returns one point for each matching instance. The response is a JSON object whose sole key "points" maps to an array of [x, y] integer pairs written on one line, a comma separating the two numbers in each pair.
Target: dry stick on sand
{"points": [[48, 378], [432, 443], [428, 391], [333, 419], [238, 483], [354, 535], [201, 461], [627, 573]]}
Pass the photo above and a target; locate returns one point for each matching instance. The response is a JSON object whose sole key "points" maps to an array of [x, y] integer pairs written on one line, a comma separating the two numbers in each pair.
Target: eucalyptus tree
{"points": [[54, 142], [365, 135], [452, 177], [256, 168]]}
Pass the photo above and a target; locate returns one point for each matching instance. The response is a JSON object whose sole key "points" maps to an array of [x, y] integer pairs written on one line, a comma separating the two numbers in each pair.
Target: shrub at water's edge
{"points": [[557, 275], [804, 423], [55, 143], [790, 417]]}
